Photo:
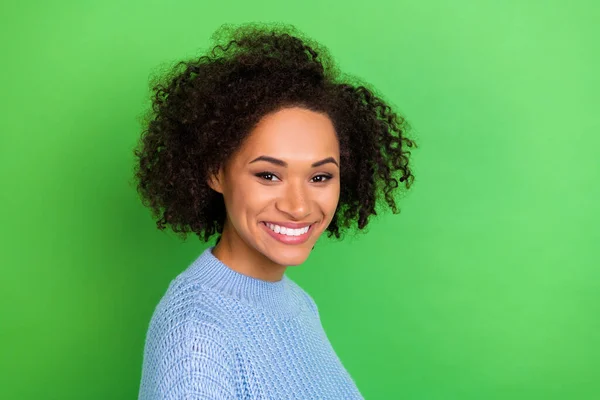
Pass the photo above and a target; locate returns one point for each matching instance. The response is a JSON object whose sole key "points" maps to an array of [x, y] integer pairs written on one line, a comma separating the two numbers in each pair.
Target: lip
{"points": [[293, 225], [288, 239]]}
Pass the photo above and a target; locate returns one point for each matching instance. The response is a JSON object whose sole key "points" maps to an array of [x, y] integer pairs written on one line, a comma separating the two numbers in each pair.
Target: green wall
{"points": [[486, 286]]}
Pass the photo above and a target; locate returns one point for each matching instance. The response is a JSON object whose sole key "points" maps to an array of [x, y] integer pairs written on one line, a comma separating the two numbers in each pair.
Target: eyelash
{"points": [[262, 174]]}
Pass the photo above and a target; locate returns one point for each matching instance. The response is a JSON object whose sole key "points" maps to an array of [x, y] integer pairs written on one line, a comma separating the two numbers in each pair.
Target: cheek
{"points": [[248, 198], [329, 199], [234, 198]]}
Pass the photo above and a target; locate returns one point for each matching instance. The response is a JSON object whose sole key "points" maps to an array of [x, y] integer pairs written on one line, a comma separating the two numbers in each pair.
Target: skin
{"points": [[298, 192]]}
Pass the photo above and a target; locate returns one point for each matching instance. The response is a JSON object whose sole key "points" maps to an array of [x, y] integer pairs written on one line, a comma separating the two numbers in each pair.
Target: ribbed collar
{"points": [[275, 298]]}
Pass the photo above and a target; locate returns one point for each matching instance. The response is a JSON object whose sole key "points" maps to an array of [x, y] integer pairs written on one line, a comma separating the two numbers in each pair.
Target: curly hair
{"points": [[202, 110]]}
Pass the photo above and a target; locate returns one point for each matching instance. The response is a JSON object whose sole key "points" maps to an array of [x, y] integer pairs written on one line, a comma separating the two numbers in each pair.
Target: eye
{"points": [[324, 178], [268, 176]]}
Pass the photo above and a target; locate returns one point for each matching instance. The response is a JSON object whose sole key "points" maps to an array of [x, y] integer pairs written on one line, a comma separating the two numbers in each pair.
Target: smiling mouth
{"points": [[274, 226], [289, 238]]}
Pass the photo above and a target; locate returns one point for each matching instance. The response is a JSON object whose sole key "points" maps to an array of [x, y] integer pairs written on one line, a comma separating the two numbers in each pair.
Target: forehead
{"points": [[293, 133]]}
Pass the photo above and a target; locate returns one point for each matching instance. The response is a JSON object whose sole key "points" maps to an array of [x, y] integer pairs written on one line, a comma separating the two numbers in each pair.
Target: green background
{"points": [[486, 286]]}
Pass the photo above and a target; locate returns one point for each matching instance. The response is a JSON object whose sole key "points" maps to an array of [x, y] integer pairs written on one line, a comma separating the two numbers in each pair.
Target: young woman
{"points": [[263, 144]]}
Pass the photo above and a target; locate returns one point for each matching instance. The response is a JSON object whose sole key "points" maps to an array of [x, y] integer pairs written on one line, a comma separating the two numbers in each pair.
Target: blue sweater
{"points": [[219, 334]]}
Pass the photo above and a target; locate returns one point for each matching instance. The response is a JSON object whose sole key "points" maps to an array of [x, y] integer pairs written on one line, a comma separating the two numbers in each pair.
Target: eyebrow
{"points": [[282, 163]]}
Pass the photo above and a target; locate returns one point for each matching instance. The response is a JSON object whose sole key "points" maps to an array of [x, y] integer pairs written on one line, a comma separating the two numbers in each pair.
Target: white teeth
{"points": [[287, 231]]}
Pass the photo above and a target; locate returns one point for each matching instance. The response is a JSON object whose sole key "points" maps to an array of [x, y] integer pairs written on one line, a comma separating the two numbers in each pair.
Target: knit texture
{"points": [[219, 334]]}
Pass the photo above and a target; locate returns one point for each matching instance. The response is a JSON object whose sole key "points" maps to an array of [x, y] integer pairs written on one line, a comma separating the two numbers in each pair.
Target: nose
{"points": [[294, 201]]}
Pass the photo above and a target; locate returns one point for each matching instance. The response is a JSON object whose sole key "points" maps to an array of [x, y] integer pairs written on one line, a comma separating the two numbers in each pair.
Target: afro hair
{"points": [[202, 110]]}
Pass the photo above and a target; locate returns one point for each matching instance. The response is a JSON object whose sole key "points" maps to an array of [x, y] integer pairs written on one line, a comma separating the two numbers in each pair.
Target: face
{"points": [[281, 189]]}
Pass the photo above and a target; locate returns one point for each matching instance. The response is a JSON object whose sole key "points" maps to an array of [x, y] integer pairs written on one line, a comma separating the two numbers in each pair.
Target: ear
{"points": [[215, 181]]}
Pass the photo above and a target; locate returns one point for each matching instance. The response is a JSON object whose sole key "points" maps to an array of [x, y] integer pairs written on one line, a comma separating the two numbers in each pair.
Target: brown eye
{"points": [[323, 178], [267, 176]]}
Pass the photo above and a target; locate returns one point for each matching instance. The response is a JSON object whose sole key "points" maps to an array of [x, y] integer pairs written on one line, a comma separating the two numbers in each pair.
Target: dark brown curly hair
{"points": [[202, 109]]}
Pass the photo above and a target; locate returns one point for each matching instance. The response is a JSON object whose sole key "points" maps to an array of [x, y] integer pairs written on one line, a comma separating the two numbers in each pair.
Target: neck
{"points": [[234, 252]]}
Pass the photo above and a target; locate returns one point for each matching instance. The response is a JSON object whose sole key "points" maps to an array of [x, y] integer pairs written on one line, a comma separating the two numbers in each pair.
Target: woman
{"points": [[263, 145]]}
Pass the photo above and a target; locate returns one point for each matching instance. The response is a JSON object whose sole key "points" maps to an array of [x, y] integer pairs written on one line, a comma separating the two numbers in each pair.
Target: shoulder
{"points": [[188, 349], [305, 297], [187, 303]]}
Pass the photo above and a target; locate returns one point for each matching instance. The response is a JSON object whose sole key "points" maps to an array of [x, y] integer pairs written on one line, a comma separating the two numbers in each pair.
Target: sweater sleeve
{"points": [[189, 360]]}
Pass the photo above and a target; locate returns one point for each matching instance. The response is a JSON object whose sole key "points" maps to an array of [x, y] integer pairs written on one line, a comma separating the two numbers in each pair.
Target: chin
{"points": [[289, 257]]}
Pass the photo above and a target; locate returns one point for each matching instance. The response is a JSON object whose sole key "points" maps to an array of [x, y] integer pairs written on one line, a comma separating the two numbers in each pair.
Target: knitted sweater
{"points": [[219, 334]]}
